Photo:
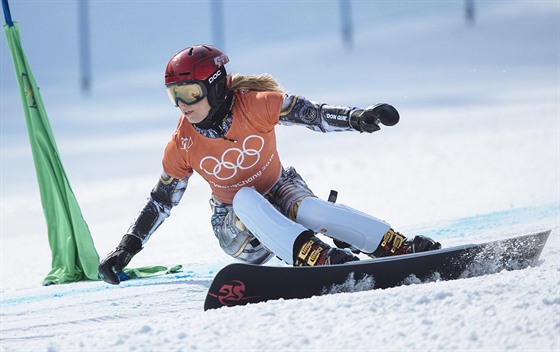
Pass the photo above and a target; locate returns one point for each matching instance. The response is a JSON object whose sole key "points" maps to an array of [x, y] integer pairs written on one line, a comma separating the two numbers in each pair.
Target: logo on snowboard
{"points": [[231, 293]]}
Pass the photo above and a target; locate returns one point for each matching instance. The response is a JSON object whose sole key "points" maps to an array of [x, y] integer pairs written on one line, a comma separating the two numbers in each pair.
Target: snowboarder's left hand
{"points": [[368, 120], [117, 260]]}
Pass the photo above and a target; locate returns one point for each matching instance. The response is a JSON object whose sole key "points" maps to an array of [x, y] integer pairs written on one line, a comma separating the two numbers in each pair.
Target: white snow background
{"points": [[474, 158]]}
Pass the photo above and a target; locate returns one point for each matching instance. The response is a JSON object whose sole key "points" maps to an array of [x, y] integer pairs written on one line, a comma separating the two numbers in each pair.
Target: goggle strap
{"points": [[216, 76]]}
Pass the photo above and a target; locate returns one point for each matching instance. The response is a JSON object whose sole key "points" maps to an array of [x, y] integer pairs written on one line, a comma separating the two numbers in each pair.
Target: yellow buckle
{"points": [[314, 256], [397, 242], [387, 237], [304, 251]]}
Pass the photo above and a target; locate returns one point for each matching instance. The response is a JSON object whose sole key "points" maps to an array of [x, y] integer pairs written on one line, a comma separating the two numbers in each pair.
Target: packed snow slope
{"points": [[474, 158]]}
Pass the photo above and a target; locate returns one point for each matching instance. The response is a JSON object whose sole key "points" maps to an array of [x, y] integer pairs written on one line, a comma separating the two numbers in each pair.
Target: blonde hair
{"points": [[259, 83]]}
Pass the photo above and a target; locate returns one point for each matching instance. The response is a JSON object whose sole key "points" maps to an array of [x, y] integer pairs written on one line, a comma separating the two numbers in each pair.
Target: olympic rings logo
{"points": [[234, 159]]}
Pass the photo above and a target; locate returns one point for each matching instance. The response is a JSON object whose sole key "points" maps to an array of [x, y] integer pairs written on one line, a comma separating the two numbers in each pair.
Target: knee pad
{"points": [[234, 239], [358, 229], [275, 231], [288, 192]]}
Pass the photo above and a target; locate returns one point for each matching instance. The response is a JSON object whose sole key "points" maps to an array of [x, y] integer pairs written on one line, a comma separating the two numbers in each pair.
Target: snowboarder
{"points": [[260, 208]]}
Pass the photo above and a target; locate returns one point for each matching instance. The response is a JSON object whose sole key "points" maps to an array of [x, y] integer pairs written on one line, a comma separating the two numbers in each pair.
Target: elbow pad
{"points": [[169, 190], [165, 195]]}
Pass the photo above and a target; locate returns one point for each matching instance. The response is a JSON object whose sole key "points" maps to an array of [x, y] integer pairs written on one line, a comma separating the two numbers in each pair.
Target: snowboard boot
{"points": [[311, 251], [344, 245], [394, 243]]}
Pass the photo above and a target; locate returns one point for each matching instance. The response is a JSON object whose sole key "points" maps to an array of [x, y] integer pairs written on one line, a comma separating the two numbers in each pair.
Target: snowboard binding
{"points": [[395, 243], [311, 251]]}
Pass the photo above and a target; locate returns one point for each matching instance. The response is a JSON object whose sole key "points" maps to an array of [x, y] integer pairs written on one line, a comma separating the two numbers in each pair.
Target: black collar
{"points": [[213, 121]]}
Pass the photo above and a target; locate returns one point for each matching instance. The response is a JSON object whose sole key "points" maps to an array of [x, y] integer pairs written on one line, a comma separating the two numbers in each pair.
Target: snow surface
{"points": [[474, 158]]}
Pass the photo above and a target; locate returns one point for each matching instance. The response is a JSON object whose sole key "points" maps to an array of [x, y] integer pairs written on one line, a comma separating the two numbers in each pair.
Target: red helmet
{"points": [[196, 63]]}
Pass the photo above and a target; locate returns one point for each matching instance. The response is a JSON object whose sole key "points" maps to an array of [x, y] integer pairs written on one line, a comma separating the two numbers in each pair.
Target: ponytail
{"points": [[260, 83]]}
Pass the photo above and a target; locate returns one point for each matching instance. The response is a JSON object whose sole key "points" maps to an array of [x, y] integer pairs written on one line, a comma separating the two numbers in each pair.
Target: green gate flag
{"points": [[74, 256]]}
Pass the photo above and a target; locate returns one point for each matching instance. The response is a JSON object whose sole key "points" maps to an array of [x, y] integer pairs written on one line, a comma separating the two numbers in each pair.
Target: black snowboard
{"points": [[239, 284]]}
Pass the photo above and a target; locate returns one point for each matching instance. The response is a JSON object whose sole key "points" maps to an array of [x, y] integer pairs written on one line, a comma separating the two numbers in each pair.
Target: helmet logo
{"points": [[221, 60], [214, 76]]}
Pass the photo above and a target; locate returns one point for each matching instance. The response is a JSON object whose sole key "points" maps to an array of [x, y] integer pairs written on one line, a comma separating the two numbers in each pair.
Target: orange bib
{"points": [[247, 158]]}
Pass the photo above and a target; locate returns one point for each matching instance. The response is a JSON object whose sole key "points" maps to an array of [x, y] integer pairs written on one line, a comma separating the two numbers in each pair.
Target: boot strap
{"points": [[308, 255], [391, 244]]}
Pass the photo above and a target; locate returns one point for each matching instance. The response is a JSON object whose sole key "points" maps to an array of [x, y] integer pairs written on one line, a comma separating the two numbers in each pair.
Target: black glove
{"points": [[368, 120], [118, 259]]}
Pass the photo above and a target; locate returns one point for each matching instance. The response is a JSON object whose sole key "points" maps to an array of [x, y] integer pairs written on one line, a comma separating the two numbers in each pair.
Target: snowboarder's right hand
{"points": [[368, 120], [117, 260]]}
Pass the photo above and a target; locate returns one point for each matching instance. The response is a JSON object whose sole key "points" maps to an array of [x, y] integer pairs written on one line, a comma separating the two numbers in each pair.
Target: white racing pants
{"points": [[257, 227]]}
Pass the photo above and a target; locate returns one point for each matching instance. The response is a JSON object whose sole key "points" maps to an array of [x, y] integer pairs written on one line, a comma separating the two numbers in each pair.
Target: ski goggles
{"points": [[188, 92]]}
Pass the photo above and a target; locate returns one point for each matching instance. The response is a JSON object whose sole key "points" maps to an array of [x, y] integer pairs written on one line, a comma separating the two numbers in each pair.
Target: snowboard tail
{"points": [[239, 284]]}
